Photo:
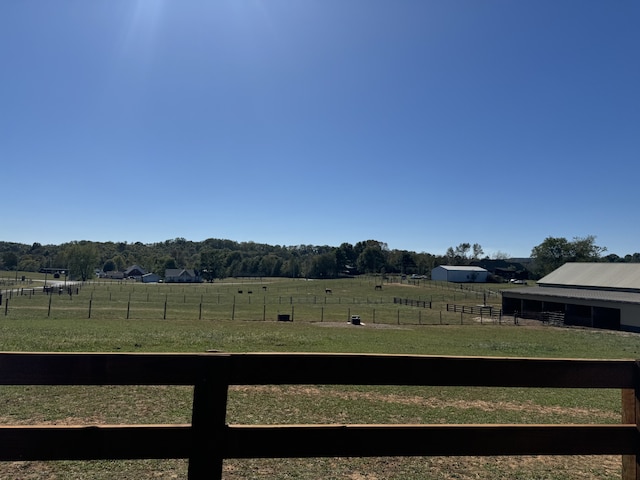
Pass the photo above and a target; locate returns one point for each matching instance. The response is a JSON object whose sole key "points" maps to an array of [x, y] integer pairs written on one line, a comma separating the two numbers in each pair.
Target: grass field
{"points": [[320, 326], [252, 300]]}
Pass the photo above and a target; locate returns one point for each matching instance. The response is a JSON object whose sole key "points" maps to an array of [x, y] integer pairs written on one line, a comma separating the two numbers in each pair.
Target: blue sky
{"points": [[418, 123]]}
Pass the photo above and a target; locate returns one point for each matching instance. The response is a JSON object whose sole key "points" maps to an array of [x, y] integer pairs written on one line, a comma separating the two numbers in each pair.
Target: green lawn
{"points": [[30, 326]]}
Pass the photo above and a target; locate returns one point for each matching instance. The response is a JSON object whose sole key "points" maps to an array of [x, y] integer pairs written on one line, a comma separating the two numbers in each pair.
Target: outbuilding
{"points": [[459, 274], [150, 278], [181, 275], [597, 295]]}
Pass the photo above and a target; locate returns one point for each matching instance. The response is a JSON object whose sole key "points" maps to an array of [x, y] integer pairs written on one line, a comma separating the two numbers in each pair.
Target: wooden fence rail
{"points": [[412, 302], [208, 439]]}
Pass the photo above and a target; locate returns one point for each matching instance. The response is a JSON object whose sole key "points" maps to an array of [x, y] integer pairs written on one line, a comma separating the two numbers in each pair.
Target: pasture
{"points": [[216, 316], [254, 300]]}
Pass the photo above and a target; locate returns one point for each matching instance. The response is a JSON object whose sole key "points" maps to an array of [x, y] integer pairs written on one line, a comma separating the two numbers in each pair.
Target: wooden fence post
{"points": [[631, 414], [208, 421]]}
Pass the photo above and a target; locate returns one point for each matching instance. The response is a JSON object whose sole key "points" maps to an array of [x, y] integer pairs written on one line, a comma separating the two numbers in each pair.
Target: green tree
{"points": [[477, 251], [28, 264], [212, 265], [164, 264], [270, 266], [81, 259], [291, 268], [346, 256], [371, 260], [554, 252], [109, 266], [323, 266], [10, 260], [120, 263]]}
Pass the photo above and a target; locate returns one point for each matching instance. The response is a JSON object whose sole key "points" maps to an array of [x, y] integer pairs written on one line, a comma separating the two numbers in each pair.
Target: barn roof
{"points": [[463, 268], [609, 276], [558, 294], [178, 272]]}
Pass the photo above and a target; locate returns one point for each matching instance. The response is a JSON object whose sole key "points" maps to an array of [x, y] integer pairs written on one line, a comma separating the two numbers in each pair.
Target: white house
{"points": [[181, 275], [459, 274]]}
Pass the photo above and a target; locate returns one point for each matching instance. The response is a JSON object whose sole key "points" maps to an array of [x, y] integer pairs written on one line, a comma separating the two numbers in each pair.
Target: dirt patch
{"points": [[362, 325], [432, 402]]}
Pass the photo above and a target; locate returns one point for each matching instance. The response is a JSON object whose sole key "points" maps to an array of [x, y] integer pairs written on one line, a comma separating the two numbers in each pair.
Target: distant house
{"points": [[150, 278], [459, 274], [134, 271], [181, 275]]}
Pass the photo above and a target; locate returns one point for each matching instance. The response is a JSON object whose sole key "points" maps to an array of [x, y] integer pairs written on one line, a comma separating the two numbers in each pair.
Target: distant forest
{"points": [[218, 258]]}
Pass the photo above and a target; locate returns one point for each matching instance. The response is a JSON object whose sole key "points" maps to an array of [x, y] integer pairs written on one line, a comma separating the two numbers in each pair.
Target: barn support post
{"points": [[631, 414]]}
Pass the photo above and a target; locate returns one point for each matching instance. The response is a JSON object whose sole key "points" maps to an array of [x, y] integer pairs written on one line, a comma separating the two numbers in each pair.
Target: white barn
{"points": [[459, 274]]}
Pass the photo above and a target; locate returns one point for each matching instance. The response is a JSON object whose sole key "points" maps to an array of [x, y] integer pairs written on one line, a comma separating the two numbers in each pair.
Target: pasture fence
{"points": [[493, 313], [412, 302], [208, 440], [548, 316]]}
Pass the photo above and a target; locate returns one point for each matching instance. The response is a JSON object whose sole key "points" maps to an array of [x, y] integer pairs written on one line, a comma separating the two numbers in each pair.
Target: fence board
{"points": [[277, 441], [31, 443], [363, 369], [18, 368]]}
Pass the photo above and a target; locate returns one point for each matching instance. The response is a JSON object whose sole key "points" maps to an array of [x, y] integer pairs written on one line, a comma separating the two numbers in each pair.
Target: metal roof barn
{"points": [[459, 274], [610, 276], [599, 295]]}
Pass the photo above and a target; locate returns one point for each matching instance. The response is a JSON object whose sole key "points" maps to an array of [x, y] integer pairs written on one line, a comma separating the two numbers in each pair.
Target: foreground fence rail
{"points": [[208, 439]]}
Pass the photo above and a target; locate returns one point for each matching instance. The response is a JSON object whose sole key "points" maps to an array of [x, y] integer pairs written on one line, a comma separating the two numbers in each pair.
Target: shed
{"points": [[150, 278], [459, 274]]}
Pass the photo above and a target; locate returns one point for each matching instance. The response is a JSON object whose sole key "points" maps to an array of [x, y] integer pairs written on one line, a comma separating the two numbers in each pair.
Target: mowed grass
{"points": [[26, 327]]}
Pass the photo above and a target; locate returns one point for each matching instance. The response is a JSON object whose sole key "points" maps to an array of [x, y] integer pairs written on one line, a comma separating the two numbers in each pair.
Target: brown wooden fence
{"points": [[412, 302], [208, 440]]}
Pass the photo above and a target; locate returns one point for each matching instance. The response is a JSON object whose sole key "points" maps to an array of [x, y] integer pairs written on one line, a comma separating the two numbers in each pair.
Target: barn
{"points": [[459, 274], [597, 295]]}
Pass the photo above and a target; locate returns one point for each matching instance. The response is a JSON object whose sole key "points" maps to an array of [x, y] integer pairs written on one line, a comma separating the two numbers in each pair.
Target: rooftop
{"points": [[609, 276]]}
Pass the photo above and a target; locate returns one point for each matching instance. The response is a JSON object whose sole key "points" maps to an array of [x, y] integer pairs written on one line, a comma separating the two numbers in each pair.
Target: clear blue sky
{"points": [[418, 123]]}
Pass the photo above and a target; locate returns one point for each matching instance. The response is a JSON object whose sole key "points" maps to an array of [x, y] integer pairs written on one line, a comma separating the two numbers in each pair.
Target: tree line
{"points": [[220, 258], [217, 258]]}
